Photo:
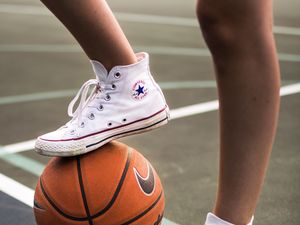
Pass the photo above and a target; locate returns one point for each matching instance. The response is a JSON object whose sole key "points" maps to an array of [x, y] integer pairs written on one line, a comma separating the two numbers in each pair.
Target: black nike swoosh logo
{"points": [[159, 219], [147, 184]]}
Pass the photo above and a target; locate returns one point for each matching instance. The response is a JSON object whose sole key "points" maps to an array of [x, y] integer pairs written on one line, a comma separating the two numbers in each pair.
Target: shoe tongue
{"points": [[99, 70]]}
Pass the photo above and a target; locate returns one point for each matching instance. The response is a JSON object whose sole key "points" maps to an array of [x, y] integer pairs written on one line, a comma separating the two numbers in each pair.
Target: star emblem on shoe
{"points": [[140, 90]]}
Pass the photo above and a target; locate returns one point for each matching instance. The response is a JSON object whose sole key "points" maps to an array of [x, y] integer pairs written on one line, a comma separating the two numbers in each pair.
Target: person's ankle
{"points": [[212, 219]]}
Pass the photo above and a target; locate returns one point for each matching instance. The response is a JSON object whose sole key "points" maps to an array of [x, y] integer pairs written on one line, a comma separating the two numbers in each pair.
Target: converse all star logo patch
{"points": [[139, 90]]}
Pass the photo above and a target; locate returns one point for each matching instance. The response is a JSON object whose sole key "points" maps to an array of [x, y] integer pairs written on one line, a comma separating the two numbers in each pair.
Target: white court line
{"points": [[17, 147], [132, 17], [290, 89], [194, 109], [175, 114], [38, 96], [155, 50], [16, 190], [171, 85], [214, 105]]}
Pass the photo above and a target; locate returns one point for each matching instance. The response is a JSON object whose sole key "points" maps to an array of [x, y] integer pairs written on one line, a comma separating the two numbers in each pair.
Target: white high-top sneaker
{"points": [[212, 219], [124, 101]]}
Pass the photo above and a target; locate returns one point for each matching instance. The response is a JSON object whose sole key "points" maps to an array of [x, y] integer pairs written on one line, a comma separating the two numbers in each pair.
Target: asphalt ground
{"points": [[41, 67]]}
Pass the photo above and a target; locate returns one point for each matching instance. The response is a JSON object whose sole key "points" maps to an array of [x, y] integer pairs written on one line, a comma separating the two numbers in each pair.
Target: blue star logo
{"points": [[140, 90]]}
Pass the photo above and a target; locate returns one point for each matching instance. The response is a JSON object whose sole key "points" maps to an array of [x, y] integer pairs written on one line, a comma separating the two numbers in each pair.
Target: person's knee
{"points": [[231, 23]]}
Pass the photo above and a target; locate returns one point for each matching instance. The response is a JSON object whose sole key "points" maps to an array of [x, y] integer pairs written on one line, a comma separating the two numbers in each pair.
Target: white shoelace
{"points": [[84, 100]]}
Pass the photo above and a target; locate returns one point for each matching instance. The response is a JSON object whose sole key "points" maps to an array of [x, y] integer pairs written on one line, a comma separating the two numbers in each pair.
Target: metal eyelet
{"points": [[113, 86], [100, 107], [107, 97], [124, 120], [82, 125], [91, 116], [72, 132], [117, 75], [109, 124]]}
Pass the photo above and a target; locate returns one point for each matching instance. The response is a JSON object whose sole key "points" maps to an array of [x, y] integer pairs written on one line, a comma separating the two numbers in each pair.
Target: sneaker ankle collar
{"points": [[142, 64]]}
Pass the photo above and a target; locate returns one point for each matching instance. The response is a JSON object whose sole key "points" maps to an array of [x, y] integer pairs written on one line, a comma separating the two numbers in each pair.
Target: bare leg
{"points": [[110, 104], [94, 26], [239, 35]]}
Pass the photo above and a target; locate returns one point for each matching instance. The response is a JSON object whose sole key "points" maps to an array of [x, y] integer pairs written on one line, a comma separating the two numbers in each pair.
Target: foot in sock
{"points": [[123, 102]]}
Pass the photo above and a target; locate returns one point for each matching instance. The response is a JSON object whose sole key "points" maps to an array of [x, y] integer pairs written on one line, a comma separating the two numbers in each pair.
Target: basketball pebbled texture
{"points": [[114, 185]]}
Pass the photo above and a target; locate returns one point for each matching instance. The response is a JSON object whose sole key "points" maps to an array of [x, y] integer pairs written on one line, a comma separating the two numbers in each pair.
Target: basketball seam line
{"points": [[110, 204], [83, 192], [84, 219], [127, 132], [58, 209], [143, 213], [102, 211]]}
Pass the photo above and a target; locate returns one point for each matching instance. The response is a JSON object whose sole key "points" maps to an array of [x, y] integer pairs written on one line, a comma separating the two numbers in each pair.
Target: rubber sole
{"points": [[84, 145]]}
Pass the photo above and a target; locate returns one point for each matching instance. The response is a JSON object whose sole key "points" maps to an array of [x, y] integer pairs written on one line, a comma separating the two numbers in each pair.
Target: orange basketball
{"points": [[114, 185]]}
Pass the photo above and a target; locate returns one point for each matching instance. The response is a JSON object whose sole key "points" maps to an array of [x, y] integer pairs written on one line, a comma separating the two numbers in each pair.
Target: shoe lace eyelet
{"points": [[109, 124], [117, 75], [72, 132], [113, 86], [124, 120], [91, 116], [82, 125], [100, 107], [107, 97]]}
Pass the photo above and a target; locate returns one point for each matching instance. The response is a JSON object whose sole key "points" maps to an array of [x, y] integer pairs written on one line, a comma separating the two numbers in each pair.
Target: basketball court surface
{"points": [[42, 67]]}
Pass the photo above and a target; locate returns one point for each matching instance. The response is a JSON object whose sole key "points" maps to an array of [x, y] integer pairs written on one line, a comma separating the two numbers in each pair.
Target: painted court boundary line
{"points": [[214, 105], [16, 190], [5, 100], [172, 85], [175, 114], [155, 50], [25, 163], [133, 17], [17, 147]]}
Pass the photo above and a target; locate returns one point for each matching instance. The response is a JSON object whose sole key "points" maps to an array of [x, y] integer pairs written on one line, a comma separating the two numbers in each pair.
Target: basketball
{"points": [[114, 185]]}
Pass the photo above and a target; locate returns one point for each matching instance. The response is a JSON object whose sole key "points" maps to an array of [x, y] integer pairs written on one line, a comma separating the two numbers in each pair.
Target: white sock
{"points": [[212, 219]]}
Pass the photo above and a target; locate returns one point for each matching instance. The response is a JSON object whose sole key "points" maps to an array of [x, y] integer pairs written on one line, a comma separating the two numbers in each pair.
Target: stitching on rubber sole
{"points": [[127, 132], [89, 135]]}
